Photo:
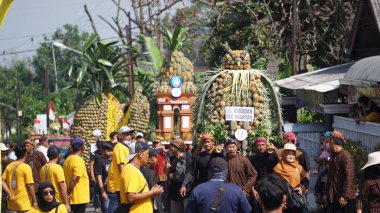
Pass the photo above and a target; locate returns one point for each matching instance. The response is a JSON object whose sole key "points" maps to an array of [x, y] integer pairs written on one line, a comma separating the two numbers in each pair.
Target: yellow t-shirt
{"points": [[61, 209], [53, 173], [373, 117], [120, 153], [22, 174], [75, 166], [133, 181]]}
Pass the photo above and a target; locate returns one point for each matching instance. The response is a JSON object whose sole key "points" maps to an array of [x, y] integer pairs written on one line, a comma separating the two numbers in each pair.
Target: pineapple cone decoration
{"points": [[236, 59], [177, 64], [91, 116], [241, 88], [138, 113]]}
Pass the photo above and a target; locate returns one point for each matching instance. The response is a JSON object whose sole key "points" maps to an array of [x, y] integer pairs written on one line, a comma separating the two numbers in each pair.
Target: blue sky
{"points": [[29, 19]]}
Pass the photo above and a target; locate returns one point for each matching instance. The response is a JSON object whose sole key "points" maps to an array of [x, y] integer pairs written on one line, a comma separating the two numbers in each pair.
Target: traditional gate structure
{"points": [[175, 113]]}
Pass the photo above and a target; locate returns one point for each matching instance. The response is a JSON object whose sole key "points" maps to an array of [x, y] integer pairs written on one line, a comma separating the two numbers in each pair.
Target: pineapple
{"points": [[91, 116], [138, 113]]}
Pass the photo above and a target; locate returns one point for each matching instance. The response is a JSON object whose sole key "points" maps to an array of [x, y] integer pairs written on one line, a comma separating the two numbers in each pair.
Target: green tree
{"points": [[19, 81], [70, 36]]}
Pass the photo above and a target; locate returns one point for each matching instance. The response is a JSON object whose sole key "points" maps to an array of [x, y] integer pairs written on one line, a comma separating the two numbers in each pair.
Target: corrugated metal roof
{"points": [[365, 72], [375, 5], [322, 80]]}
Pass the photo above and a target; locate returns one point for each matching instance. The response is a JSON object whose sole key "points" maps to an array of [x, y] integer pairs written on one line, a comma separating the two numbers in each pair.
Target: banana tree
{"points": [[100, 69]]}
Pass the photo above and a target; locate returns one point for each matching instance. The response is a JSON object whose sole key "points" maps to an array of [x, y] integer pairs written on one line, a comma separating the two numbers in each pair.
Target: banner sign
{"points": [[239, 113]]}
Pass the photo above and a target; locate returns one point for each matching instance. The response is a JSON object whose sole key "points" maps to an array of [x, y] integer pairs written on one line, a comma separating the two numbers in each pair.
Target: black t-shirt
{"points": [[303, 160], [264, 164], [101, 167], [149, 175], [201, 167], [95, 155]]}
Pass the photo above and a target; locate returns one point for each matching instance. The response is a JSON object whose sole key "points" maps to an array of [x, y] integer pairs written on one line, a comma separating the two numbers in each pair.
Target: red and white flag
{"points": [[65, 124], [51, 112]]}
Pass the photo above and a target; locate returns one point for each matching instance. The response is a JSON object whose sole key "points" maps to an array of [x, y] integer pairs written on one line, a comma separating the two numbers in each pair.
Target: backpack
{"points": [[180, 170]]}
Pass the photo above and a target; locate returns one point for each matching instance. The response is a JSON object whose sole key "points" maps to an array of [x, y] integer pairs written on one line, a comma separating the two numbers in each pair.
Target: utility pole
{"points": [[128, 29], [55, 67], [294, 37], [46, 79]]}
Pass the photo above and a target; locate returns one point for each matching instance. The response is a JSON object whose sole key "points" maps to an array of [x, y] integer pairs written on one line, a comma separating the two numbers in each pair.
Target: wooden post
{"points": [[128, 29]]}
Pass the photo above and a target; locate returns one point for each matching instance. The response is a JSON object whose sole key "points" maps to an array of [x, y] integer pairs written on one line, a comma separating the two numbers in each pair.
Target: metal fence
{"points": [[366, 132]]}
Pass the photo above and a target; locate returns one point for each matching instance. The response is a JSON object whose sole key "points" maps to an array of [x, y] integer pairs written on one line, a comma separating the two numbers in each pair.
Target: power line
{"points": [[25, 36], [17, 52]]}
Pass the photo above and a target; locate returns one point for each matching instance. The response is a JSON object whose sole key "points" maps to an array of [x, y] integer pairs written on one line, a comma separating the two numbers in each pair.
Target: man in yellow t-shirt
{"points": [[134, 188], [18, 183], [119, 160], [77, 179], [53, 173]]}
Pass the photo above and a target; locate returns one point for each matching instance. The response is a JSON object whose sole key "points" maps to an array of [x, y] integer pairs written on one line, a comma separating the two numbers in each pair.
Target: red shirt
{"points": [[159, 169]]}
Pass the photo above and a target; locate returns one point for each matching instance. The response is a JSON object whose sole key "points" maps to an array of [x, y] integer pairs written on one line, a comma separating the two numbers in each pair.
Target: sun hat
{"points": [[3, 147], [135, 148], [373, 159], [125, 129], [288, 146]]}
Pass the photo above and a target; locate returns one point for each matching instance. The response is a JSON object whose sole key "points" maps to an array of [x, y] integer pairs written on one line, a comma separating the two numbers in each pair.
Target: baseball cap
{"points": [[53, 152], [3, 147], [135, 148], [76, 144], [140, 134], [154, 152], [43, 138], [217, 164], [125, 129]]}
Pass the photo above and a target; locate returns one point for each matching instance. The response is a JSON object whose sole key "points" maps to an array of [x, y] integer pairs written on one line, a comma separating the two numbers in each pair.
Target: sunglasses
{"points": [[46, 193]]}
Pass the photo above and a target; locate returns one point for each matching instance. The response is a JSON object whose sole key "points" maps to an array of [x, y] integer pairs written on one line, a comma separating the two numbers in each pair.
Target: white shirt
{"points": [[44, 150]]}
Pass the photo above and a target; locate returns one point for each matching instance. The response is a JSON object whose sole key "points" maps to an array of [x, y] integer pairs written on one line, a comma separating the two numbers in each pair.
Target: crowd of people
{"points": [[131, 175]]}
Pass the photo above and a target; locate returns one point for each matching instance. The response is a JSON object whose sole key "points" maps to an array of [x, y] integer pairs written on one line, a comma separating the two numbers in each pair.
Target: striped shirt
{"points": [[369, 192], [241, 172]]}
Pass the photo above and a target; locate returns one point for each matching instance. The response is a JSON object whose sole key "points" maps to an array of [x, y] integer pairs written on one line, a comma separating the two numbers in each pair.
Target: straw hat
{"points": [[373, 159], [288, 146], [3, 147]]}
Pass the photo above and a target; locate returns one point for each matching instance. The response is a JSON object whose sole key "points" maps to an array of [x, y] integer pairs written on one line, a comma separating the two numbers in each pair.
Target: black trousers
{"points": [[78, 208], [350, 207]]}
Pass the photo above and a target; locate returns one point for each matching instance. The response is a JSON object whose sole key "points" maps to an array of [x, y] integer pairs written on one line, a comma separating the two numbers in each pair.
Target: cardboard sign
{"points": [[239, 113]]}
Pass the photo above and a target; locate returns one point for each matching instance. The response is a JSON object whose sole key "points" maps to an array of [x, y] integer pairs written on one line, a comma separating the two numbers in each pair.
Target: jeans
{"points": [[109, 205]]}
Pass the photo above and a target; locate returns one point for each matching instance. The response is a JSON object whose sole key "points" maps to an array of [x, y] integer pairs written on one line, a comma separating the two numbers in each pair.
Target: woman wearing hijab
{"points": [[46, 200], [289, 169], [370, 189]]}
